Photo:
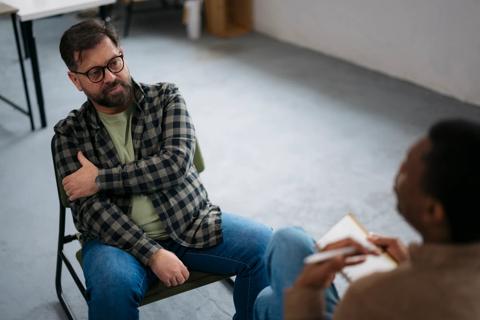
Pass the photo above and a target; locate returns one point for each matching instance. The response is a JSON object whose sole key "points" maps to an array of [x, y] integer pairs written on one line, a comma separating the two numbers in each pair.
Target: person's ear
{"points": [[435, 213], [74, 78]]}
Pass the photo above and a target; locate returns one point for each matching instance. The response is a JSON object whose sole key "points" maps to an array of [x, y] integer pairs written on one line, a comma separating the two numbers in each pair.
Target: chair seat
{"points": [[160, 291]]}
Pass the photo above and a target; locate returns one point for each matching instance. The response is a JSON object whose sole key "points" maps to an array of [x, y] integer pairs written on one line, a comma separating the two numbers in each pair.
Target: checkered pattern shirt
{"points": [[164, 144]]}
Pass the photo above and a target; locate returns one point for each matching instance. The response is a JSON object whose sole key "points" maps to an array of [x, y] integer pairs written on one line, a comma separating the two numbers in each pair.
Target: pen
{"points": [[329, 254]]}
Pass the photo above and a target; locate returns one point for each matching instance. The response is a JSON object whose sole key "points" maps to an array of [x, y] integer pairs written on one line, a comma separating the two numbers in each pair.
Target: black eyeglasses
{"points": [[96, 74]]}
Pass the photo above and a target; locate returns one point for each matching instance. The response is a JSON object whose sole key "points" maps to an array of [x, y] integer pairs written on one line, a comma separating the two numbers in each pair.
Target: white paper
{"points": [[349, 227]]}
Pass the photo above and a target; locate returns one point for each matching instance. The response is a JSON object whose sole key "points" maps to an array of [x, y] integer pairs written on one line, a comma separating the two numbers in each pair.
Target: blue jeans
{"points": [[284, 259], [117, 282]]}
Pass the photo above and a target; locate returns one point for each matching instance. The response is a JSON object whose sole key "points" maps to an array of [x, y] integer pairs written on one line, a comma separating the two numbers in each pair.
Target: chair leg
{"points": [[58, 287], [58, 271]]}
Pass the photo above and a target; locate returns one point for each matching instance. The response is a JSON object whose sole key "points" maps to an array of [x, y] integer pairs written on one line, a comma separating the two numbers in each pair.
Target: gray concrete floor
{"points": [[290, 137]]}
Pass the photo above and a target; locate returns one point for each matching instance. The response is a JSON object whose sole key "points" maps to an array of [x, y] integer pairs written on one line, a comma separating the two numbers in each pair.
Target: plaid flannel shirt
{"points": [[164, 144]]}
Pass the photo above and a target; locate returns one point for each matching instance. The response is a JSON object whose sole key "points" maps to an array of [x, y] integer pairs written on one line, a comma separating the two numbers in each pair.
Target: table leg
{"points": [[22, 68], [105, 13], [24, 40], [35, 70]]}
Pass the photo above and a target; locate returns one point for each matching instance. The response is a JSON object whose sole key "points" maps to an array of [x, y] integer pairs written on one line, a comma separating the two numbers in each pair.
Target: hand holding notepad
{"points": [[349, 227]]}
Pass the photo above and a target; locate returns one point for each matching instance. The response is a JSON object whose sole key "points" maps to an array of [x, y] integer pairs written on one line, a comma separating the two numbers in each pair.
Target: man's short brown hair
{"points": [[83, 36]]}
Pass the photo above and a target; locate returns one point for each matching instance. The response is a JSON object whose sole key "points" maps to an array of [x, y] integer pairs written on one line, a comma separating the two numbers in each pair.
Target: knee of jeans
{"points": [[259, 236], [264, 296], [115, 288], [265, 303], [290, 240]]}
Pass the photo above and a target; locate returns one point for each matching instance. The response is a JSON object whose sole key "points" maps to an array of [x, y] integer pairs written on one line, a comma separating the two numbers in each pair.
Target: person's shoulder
{"points": [[160, 89], [75, 121], [161, 95]]}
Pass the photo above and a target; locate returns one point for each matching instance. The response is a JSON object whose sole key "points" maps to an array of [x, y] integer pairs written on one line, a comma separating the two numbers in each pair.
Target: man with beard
{"points": [[437, 188], [126, 163]]}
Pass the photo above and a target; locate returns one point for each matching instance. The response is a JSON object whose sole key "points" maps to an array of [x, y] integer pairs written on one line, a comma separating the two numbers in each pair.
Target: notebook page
{"points": [[348, 226]]}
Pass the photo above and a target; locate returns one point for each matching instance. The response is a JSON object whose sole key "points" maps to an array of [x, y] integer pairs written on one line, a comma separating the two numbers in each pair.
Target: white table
{"points": [[30, 10]]}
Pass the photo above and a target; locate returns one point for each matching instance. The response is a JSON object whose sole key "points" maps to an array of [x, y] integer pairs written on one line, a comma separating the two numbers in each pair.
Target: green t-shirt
{"points": [[119, 127]]}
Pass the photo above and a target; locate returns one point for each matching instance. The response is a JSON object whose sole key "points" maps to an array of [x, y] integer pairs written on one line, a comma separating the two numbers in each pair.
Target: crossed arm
{"points": [[94, 212], [143, 176]]}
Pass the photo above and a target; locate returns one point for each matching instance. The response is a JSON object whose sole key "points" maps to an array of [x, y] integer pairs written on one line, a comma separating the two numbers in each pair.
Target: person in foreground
{"points": [[126, 160], [437, 188]]}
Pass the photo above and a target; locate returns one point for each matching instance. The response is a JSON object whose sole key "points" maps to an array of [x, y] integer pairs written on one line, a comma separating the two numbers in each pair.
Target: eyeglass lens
{"points": [[97, 74]]}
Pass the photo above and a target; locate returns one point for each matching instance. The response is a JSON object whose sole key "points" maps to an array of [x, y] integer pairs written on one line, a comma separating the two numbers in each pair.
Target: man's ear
{"points": [[435, 213], [74, 78]]}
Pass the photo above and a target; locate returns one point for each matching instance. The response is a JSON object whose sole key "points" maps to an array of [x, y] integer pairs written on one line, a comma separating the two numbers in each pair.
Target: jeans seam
{"points": [[141, 287]]}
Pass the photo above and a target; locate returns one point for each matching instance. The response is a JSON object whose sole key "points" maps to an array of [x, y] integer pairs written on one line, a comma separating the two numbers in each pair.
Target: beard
{"points": [[113, 100]]}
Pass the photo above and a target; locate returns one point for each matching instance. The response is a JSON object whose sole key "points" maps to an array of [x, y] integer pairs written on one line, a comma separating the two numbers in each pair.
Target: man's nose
{"points": [[109, 76]]}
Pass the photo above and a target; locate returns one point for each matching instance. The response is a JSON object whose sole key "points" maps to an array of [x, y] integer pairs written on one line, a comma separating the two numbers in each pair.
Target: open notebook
{"points": [[349, 226]]}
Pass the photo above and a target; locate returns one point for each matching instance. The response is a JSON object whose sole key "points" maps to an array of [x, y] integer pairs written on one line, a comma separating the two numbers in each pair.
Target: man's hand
{"points": [[349, 242], [81, 183], [317, 275], [392, 246], [168, 268], [320, 275]]}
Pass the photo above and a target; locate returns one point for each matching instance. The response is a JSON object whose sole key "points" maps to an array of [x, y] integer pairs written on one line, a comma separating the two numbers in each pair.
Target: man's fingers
{"points": [[338, 244], [185, 273], [336, 264], [392, 245], [342, 243], [351, 261], [321, 275], [381, 241], [349, 242], [68, 179], [180, 279], [83, 161], [173, 282]]}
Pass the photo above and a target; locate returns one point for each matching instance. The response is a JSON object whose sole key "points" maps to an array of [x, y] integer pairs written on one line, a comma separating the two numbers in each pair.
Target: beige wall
{"points": [[434, 43]]}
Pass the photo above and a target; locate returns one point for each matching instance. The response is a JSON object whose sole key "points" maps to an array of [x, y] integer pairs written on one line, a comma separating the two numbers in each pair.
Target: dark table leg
{"points": [[24, 40], [105, 12], [28, 25], [22, 68]]}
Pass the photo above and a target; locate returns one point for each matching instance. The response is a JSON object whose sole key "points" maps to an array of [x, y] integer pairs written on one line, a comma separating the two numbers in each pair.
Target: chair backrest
{"points": [[197, 162]]}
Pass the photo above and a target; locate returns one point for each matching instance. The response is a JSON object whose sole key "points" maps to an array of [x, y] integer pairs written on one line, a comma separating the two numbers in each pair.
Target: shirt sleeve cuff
{"points": [[144, 249], [109, 179]]}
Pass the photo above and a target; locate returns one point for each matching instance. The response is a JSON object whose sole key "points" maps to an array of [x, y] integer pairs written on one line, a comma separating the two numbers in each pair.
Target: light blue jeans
{"points": [[117, 282], [284, 259]]}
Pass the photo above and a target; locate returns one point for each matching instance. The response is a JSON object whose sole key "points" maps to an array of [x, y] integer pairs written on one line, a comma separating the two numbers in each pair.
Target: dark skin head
{"points": [[425, 213]]}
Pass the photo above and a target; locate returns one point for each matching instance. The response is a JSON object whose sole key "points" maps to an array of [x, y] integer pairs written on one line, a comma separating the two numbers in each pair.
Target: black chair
{"points": [[158, 292]]}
